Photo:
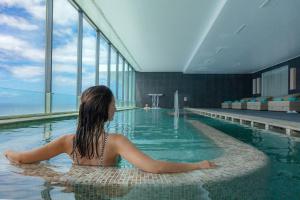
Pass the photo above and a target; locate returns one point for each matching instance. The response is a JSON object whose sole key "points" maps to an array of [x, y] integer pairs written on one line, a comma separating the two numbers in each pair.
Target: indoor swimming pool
{"points": [[162, 136], [154, 132]]}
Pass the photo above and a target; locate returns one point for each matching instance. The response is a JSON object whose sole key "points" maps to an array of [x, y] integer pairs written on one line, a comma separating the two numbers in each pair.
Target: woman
{"points": [[91, 145]]}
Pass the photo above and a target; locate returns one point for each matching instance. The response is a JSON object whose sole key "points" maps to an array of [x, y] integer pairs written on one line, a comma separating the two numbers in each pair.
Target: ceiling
{"points": [[205, 36]]}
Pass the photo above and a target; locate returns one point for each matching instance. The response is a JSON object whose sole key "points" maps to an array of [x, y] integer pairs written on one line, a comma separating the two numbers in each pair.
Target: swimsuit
{"points": [[101, 155]]}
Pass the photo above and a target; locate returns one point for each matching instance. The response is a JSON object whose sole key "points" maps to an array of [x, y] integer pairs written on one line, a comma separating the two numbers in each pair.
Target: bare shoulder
{"points": [[67, 141], [67, 138], [116, 138]]}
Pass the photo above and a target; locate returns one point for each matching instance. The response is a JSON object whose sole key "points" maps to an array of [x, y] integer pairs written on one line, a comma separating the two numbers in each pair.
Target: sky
{"points": [[22, 50], [22, 47]]}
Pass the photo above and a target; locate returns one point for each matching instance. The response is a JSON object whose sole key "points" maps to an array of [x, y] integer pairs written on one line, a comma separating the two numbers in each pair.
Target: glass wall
{"points": [[22, 73], [120, 81], [113, 71], [89, 42], [64, 55], [126, 84], [22, 57], [130, 86], [133, 93], [103, 62]]}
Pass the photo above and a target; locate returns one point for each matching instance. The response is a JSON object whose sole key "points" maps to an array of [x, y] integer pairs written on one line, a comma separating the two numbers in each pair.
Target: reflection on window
{"points": [[22, 55], [88, 55], [120, 83], [103, 60], [65, 33], [130, 86], [133, 95], [113, 71], [126, 84]]}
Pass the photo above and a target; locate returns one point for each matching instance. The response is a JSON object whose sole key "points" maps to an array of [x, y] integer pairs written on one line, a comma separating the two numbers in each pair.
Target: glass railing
{"points": [[124, 104], [63, 102], [14, 102], [20, 102]]}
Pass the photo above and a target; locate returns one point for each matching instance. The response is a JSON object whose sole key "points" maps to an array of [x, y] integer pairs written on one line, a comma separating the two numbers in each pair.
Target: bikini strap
{"points": [[102, 149], [74, 152]]}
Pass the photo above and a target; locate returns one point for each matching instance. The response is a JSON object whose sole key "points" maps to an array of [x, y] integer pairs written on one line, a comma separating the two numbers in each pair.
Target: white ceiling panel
{"points": [[205, 36]]}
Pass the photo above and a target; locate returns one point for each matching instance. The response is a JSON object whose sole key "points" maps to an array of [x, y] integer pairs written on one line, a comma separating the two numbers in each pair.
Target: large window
{"points": [[88, 55], [64, 68], [103, 60], [113, 71], [130, 86], [120, 81], [22, 55], [133, 93], [126, 84], [23, 45]]}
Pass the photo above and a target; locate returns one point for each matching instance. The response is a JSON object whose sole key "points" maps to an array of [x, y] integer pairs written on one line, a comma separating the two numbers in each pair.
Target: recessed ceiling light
{"points": [[264, 4], [239, 30], [219, 50]]}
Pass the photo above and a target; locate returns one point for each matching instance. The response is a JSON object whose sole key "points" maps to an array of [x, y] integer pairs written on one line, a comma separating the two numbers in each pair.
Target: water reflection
{"points": [[55, 181], [65, 182], [47, 133], [283, 151]]}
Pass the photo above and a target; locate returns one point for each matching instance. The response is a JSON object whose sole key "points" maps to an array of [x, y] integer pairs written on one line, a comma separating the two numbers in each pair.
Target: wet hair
{"points": [[93, 114]]}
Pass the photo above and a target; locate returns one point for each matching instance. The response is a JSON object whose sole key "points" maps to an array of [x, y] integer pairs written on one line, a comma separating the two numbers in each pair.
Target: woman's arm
{"points": [[129, 152], [45, 152]]}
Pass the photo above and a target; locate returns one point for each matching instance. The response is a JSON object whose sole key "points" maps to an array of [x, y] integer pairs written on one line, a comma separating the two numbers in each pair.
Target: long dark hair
{"points": [[93, 113]]}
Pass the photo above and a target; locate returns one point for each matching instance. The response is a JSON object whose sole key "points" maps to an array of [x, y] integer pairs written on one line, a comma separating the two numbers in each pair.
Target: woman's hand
{"points": [[12, 156], [205, 164]]}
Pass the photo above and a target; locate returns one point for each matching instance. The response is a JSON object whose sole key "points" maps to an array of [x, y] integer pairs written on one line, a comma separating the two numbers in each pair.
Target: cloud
{"points": [[15, 47], [17, 22], [103, 68], [66, 53], [64, 13], [64, 81], [26, 73], [35, 8], [8, 94], [62, 32], [65, 57], [89, 50], [65, 68]]}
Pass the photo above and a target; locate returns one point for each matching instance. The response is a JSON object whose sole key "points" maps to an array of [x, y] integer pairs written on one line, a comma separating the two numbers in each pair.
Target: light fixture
{"points": [[264, 4], [240, 29], [219, 50]]}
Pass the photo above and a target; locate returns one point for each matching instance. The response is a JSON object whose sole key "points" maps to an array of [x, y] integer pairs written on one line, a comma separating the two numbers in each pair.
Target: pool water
{"points": [[154, 132], [283, 180]]}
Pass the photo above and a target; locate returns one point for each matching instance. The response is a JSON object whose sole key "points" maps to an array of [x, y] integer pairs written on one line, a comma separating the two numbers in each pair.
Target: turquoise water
{"points": [[283, 181], [154, 132]]}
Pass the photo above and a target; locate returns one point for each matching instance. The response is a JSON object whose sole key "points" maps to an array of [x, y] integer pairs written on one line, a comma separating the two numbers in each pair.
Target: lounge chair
{"points": [[226, 104], [241, 105], [260, 103], [287, 103]]}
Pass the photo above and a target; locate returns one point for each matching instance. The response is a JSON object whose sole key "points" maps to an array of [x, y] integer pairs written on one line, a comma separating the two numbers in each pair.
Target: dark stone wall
{"points": [[291, 63], [202, 90]]}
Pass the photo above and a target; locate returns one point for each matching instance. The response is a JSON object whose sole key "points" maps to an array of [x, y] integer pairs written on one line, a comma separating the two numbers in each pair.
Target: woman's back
{"points": [[105, 144]]}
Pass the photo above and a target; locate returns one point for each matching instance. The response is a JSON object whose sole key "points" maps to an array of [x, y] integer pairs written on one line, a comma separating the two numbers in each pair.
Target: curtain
{"points": [[275, 82]]}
